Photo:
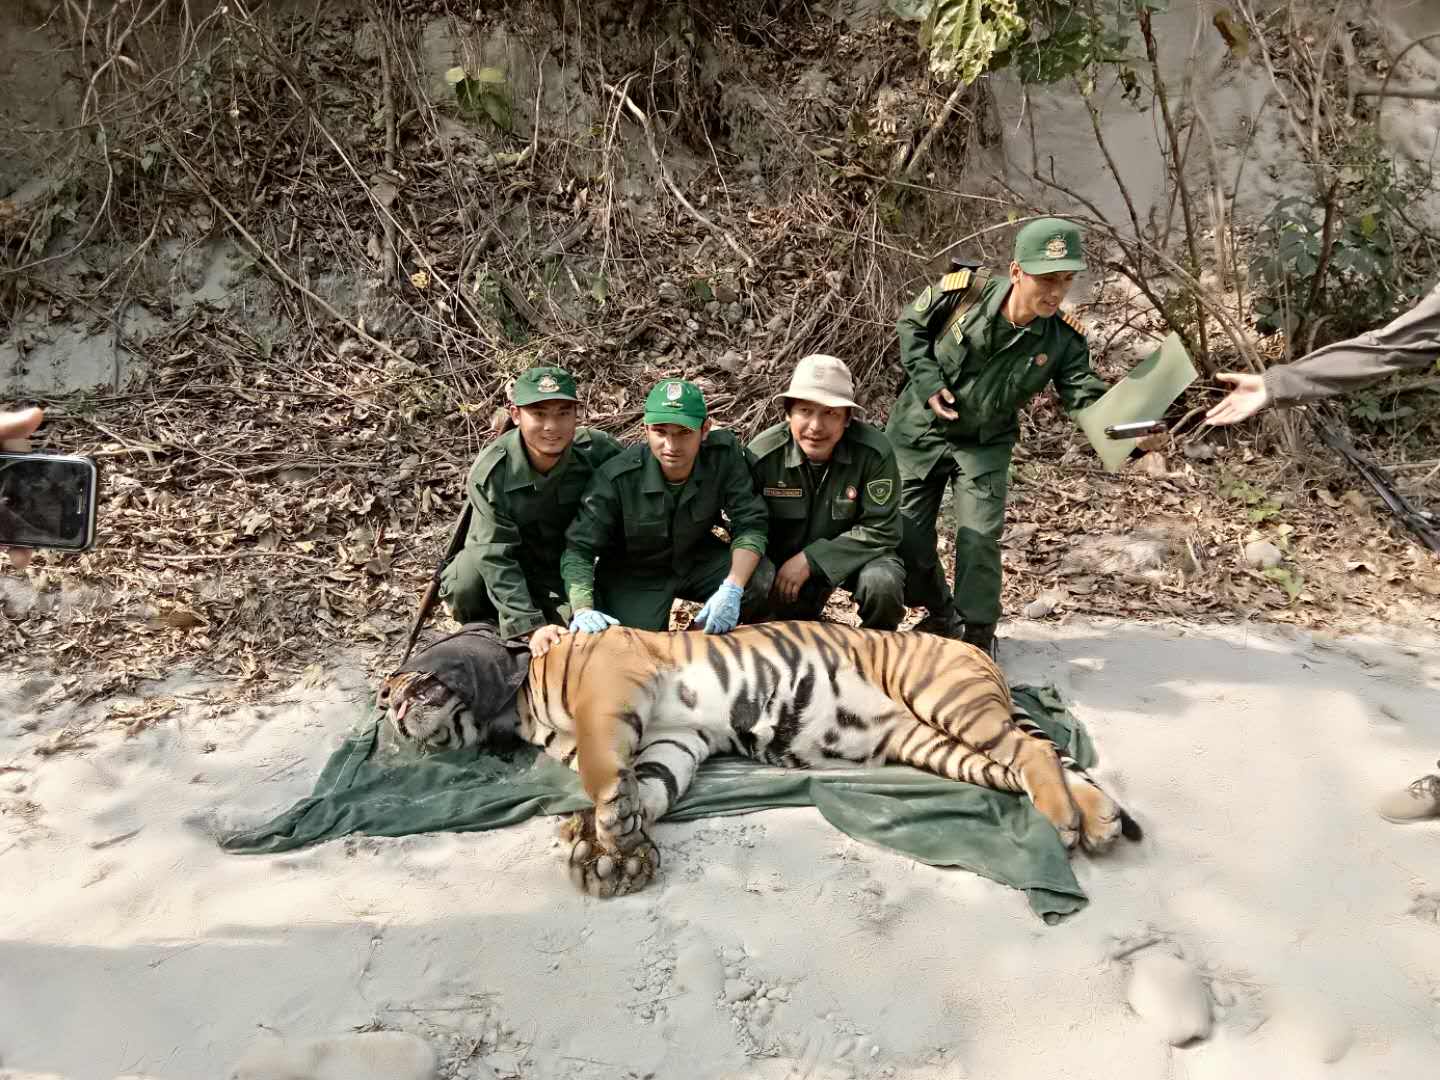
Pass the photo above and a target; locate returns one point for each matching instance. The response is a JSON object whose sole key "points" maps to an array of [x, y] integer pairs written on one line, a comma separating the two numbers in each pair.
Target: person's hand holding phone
{"points": [[15, 429]]}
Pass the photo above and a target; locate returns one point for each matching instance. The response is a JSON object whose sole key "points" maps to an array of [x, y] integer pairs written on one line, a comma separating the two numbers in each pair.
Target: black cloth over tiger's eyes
{"points": [[477, 665]]}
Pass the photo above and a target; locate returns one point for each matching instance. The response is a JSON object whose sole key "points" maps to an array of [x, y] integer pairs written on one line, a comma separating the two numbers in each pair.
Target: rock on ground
{"points": [[1170, 996], [1263, 554]]}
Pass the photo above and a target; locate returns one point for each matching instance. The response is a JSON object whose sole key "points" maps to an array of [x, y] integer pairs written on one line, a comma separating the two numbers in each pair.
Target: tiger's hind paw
{"points": [[1103, 820], [602, 870], [1056, 805]]}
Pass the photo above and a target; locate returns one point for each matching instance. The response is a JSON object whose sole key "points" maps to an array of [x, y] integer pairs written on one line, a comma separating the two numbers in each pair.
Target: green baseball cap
{"points": [[1049, 246], [674, 401], [544, 384]]}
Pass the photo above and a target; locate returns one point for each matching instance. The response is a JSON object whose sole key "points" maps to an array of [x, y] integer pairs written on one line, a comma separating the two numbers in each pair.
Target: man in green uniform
{"points": [[832, 487], [643, 534], [524, 490], [975, 349]]}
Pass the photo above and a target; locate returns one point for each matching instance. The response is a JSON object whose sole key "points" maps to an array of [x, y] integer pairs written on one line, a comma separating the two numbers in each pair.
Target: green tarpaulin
{"points": [[366, 787]]}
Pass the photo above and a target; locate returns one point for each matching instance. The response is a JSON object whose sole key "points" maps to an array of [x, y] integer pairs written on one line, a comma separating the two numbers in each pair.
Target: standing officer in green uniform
{"points": [[524, 490], [642, 536], [832, 487], [976, 348]]}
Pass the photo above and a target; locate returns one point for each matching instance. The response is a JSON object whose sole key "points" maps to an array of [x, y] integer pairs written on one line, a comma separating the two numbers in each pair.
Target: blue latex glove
{"points": [[721, 612], [591, 621]]}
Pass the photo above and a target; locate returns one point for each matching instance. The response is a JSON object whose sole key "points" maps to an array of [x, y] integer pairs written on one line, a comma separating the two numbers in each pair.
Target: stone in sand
{"points": [[1169, 995], [1313, 1026], [369, 1055]]}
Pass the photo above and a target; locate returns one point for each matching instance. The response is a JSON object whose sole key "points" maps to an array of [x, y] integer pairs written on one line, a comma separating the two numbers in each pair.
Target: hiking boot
{"points": [[946, 626], [982, 636], [1417, 802]]}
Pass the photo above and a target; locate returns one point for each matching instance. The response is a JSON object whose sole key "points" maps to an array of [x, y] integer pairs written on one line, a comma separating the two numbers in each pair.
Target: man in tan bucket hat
{"points": [[832, 487]]}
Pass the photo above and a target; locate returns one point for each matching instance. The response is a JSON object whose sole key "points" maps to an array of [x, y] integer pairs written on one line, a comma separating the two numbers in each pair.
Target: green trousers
{"points": [[644, 600], [463, 591], [878, 588], [981, 479]]}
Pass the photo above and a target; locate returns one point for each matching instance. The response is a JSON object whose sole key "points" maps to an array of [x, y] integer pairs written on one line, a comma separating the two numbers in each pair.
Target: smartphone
{"points": [[48, 501], [1135, 430]]}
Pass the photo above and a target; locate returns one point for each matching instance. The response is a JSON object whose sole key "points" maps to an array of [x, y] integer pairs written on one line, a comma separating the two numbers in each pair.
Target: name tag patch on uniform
{"points": [[880, 490], [784, 493], [923, 300]]}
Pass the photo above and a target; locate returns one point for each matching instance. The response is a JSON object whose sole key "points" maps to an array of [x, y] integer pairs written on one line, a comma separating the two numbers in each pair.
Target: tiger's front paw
{"points": [[602, 869]]}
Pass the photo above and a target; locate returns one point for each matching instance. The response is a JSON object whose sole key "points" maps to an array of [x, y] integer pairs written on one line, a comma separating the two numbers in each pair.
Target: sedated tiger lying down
{"points": [[636, 712]]}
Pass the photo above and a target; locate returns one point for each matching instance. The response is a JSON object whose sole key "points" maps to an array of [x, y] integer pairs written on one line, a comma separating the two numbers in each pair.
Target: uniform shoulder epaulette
{"points": [[489, 459], [721, 439], [871, 436], [956, 281], [598, 445], [627, 460], [769, 440], [1070, 319]]}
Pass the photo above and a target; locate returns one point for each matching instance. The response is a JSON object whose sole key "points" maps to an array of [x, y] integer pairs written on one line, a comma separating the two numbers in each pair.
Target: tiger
{"points": [[636, 712]]}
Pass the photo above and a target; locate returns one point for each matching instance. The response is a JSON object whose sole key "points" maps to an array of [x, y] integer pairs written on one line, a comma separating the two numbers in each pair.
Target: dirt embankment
{"points": [[295, 280]]}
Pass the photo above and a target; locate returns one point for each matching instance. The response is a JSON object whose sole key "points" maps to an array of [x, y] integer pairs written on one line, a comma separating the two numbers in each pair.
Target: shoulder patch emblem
{"points": [[960, 279], [923, 300], [880, 490], [1070, 319]]}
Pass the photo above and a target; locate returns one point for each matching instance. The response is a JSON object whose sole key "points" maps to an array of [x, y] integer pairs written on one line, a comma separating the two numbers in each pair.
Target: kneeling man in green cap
{"points": [[832, 487], [975, 349], [643, 537]]}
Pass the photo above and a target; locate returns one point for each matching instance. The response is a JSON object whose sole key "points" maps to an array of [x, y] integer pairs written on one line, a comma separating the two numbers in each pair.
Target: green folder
{"points": [[1145, 393]]}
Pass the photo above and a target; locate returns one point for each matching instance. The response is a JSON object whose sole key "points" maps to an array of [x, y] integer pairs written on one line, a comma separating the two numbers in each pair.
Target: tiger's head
{"points": [[423, 712]]}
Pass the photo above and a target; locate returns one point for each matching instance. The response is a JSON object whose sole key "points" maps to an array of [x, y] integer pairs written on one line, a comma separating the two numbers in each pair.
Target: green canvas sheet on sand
{"points": [[367, 787]]}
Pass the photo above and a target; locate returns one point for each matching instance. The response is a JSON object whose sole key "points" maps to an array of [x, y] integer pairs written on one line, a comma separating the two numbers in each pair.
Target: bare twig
{"points": [[1177, 168], [670, 180], [255, 245], [922, 151]]}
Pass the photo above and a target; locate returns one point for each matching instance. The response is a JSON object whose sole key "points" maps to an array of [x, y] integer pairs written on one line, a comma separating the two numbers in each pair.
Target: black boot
{"points": [[982, 636], [946, 626]]}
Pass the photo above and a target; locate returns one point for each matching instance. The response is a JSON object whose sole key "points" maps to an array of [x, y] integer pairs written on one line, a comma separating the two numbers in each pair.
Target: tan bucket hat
{"points": [[825, 380]]}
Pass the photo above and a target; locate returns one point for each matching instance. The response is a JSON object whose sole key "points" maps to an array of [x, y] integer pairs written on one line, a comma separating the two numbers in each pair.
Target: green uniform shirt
{"points": [[518, 520], [841, 514], [991, 366], [639, 527]]}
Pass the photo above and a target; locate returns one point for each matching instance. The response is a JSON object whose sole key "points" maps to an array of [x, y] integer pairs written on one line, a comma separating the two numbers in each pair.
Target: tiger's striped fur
{"points": [[636, 712]]}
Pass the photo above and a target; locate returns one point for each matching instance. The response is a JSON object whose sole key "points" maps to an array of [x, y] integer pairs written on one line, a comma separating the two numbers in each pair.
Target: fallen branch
{"points": [[1398, 92], [930, 136]]}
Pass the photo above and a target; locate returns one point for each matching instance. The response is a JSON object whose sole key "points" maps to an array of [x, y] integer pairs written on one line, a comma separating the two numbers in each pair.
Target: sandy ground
{"points": [[772, 946]]}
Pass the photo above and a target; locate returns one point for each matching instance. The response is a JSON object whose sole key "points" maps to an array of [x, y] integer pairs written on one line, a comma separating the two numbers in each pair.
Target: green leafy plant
{"points": [[485, 93], [1259, 506], [1288, 580], [1352, 280], [963, 36], [1064, 39]]}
